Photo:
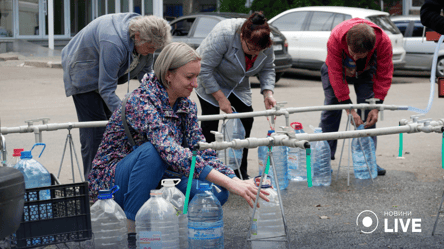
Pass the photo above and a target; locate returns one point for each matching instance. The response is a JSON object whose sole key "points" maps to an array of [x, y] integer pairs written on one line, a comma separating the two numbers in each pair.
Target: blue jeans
{"points": [[140, 172], [330, 120]]}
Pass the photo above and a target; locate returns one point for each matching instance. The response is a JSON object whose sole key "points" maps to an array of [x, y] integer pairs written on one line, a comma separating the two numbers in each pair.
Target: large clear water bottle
{"points": [[267, 220], [177, 198], [36, 175], [205, 220], [321, 161], [280, 154], [233, 130], [157, 223], [108, 222], [297, 167], [359, 162]]}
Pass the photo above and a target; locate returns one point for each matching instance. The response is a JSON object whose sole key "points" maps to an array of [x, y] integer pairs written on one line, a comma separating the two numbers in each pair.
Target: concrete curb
{"points": [[50, 64], [8, 57]]}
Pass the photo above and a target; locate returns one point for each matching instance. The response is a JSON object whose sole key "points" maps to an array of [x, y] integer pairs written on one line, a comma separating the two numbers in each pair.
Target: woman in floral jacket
{"points": [[163, 125]]}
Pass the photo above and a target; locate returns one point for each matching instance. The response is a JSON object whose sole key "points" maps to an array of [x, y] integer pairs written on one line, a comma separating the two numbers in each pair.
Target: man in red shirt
{"points": [[359, 53]]}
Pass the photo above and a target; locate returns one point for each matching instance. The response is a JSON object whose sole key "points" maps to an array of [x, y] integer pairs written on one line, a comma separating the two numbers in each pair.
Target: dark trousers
{"points": [[90, 107], [330, 120], [207, 126]]}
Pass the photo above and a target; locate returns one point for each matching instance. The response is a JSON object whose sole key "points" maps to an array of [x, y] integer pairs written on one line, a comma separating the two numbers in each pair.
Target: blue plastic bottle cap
{"points": [[204, 186], [105, 194], [26, 154]]}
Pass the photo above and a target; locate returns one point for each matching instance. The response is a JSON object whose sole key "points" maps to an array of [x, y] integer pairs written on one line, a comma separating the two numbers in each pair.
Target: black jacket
{"points": [[431, 15]]}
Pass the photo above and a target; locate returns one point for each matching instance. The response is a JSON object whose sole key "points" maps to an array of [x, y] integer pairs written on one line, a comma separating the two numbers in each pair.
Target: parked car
{"points": [[192, 29], [308, 29], [419, 51]]}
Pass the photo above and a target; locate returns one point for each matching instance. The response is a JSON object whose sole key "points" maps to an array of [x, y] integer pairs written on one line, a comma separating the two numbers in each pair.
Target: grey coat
{"points": [[223, 65]]}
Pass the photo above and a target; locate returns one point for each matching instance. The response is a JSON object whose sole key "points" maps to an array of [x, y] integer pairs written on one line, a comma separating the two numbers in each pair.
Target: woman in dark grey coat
{"points": [[233, 51]]}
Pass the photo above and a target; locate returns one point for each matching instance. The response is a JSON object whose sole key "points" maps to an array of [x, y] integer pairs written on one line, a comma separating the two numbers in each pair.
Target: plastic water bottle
{"points": [[280, 163], [177, 198], [233, 130], [157, 224], [205, 220], [108, 221], [297, 167], [36, 175], [321, 161], [267, 221], [359, 163]]}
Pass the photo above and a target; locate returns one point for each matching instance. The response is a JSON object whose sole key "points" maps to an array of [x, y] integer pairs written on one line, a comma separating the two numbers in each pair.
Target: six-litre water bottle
{"points": [[205, 220], [157, 224], [233, 130], [359, 162], [297, 167], [321, 161], [108, 221], [267, 221], [280, 163], [177, 198], [36, 175]]}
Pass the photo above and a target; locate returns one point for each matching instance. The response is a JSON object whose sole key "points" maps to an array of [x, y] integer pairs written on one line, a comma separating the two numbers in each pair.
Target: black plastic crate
{"points": [[63, 218]]}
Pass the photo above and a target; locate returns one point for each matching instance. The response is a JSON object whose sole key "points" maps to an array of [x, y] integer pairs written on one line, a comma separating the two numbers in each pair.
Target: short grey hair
{"points": [[152, 29], [173, 56]]}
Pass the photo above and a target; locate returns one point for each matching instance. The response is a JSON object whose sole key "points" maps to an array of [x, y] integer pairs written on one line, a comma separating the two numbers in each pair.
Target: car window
{"points": [[402, 26], [182, 27], [204, 26], [340, 18], [418, 29], [321, 21], [385, 23], [291, 21]]}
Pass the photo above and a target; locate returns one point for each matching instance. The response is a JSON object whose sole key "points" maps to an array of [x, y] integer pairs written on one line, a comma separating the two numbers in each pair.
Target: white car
{"points": [[307, 30], [419, 51]]}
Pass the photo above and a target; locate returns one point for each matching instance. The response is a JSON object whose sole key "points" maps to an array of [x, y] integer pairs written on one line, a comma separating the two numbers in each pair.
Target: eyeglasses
{"points": [[253, 50]]}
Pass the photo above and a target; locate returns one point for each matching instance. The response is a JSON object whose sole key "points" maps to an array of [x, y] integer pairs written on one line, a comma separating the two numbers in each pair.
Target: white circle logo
{"points": [[367, 221]]}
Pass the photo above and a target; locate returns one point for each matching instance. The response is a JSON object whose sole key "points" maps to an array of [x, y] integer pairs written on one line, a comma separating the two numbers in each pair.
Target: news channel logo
{"points": [[367, 221]]}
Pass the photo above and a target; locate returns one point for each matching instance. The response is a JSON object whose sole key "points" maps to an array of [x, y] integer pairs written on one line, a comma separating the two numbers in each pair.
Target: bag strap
{"points": [[125, 124]]}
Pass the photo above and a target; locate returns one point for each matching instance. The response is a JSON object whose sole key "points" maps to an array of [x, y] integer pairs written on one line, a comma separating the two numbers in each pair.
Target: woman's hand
{"points": [[269, 101], [246, 189], [224, 103]]}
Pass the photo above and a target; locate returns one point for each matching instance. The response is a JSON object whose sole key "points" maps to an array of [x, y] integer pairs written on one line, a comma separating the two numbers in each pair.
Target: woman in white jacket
{"points": [[233, 51]]}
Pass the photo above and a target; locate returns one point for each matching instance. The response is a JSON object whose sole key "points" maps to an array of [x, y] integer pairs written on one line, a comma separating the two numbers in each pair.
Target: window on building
{"points": [[6, 21], [207, 7], [291, 21]]}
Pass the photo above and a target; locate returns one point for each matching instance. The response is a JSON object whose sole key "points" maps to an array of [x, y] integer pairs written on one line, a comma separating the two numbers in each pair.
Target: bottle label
{"points": [[254, 227], [205, 230], [150, 240]]}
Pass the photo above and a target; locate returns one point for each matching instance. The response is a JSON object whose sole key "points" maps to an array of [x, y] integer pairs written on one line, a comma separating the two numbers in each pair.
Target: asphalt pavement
{"points": [[317, 217]]}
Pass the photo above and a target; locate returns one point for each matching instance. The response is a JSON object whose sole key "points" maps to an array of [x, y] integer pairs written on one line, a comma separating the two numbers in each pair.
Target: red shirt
{"points": [[337, 44], [249, 62]]}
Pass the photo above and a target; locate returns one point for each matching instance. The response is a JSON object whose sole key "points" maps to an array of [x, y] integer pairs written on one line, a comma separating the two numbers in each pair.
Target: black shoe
{"points": [[381, 171], [332, 157]]}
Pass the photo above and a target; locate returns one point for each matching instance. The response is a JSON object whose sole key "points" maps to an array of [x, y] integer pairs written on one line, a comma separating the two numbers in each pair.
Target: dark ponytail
{"points": [[256, 30]]}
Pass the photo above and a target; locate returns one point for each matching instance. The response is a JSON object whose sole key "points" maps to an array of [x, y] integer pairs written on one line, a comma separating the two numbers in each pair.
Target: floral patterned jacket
{"points": [[151, 119]]}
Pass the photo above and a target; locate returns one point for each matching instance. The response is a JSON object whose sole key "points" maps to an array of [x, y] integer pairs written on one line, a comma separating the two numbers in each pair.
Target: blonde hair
{"points": [[173, 56], [152, 29]]}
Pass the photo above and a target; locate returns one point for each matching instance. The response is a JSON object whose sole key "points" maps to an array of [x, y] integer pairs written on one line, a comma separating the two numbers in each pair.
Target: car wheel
{"points": [[440, 67], [278, 76]]}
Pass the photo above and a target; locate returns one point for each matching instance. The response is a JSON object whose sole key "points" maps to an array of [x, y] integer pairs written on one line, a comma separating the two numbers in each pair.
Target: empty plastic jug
{"points": [[280, 163], [36, 175], [297, 167], [233, 130], [267, 221], [359, 162], [177, 198], [108, 221], [321, 161], [157, 224], [205, 220]]}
